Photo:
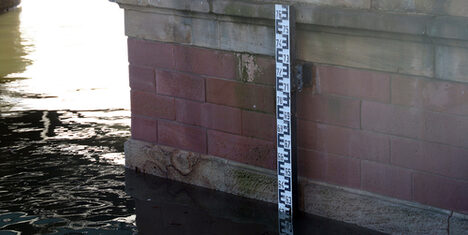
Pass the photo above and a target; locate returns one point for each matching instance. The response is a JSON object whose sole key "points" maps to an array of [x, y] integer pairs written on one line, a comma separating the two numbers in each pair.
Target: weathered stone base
{"points": [[201, 170], [352, 206]]}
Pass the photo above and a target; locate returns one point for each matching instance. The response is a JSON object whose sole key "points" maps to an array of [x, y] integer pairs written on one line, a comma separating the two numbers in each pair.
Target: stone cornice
{"points": [[445, 27]]}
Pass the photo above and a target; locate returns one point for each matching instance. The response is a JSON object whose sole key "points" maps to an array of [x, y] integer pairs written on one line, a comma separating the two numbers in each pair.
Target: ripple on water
{"points": [[63, 182]]}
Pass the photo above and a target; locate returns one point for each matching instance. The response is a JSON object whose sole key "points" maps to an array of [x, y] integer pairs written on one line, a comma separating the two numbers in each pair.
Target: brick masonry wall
{"points": [[194, 99], [388, 112], [398, 136]]}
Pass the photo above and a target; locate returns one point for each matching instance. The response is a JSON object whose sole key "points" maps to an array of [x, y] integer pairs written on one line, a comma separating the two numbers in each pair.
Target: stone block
{"points": [[241, 95], [184, 5], [344, 171], [202, 170], [441, 192], [457, 8], [152, 105], [144, 129], [312, 164], [180, 85], [366, 52], [243, 9], [377, 213], [207, 62], [208, 115], [362, 19], [430, 157], [365, 4], [182, 136], [205, 33], [142, 78], [458, 224], [449, 27], [435, 7], [150, 54], [328, 109], [189, 112], [392, 119], [259, 125], [257, 69], [448, 97], [242, 149], [423, 6], [447, 129], [451, 63], [343, 141], [250, 38], [386, 180], [158, 27], [222, 118], [370, 146], [355, 83]]}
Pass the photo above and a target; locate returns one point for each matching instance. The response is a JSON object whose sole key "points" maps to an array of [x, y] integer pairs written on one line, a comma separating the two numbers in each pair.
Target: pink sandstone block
{"points": [[182, 136], [150, 54], [144, 129], [343, 141], [363, 84], [180, 85], [344, 171], [447, 129], [441, 192], [207, 62], [242, 149], [142, 78], [208, 115], [152, 105], [392, 119], [386, 180], [448, 97], [259, 125], [430, 157], [240, 95], [328, 109], [312, 164]]}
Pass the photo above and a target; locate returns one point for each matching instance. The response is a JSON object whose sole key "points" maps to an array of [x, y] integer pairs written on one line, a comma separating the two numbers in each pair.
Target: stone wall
{"points": [[387, 113]]}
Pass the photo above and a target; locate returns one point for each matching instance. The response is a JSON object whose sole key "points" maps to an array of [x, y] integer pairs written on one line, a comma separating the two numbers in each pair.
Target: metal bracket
{"points": [[299, 77]]}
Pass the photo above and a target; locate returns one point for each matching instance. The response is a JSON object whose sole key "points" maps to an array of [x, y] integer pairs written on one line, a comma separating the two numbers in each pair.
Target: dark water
{"points": [[60, 171], [64, 116]]}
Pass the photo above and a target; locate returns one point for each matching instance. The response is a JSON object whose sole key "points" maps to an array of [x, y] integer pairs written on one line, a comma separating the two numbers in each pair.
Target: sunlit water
{"points": [[64, 116]]}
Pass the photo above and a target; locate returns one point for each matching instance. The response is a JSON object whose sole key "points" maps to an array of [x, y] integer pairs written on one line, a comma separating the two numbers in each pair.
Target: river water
{"points": [[64, 117]]}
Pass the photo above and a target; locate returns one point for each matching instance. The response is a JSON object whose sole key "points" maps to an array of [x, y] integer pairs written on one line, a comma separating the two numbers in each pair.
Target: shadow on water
{"points": [[170, 207]]}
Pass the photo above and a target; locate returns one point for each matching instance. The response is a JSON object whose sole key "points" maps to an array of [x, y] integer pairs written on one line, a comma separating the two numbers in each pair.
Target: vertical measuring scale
{"points": [[284, 119]]}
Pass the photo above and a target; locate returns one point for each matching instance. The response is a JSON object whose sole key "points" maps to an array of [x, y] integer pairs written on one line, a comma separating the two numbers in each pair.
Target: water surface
{"points": [[64, 116]]}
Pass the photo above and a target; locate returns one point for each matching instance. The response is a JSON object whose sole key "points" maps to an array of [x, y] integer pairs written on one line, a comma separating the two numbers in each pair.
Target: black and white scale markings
{"points": [[283, 118]]}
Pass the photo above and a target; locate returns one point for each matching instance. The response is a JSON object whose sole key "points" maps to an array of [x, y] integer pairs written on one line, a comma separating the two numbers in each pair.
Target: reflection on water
{"points": [[175, 208], [13, 49], [61, 171]]}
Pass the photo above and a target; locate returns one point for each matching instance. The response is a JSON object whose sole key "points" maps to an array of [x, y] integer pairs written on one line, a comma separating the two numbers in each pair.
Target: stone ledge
{"points": [[352, 206], [320, 15]]}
